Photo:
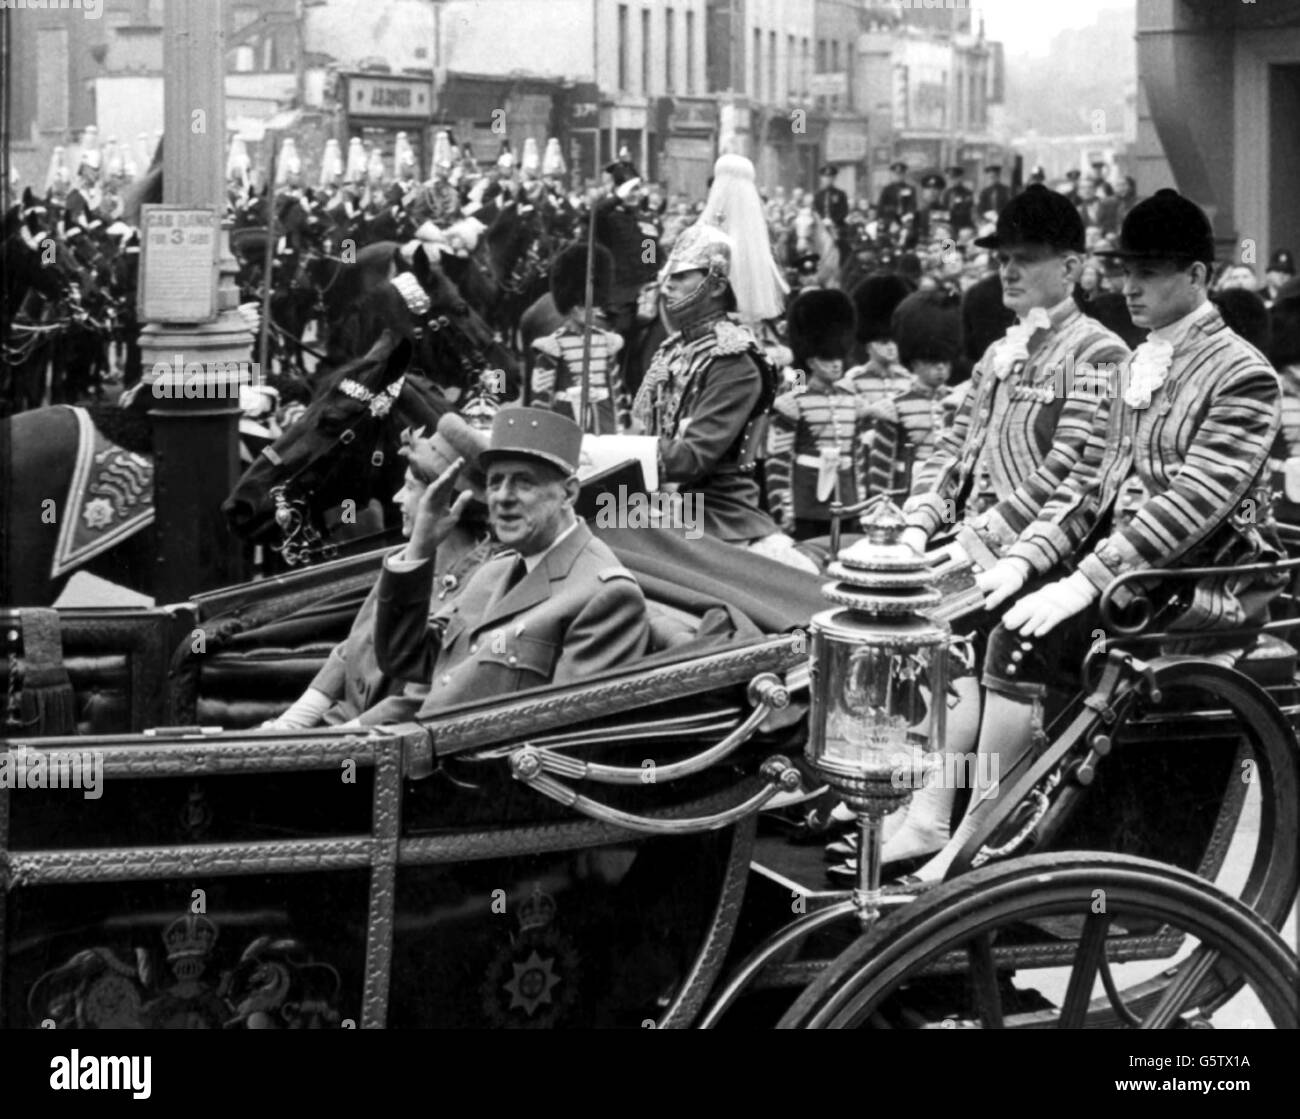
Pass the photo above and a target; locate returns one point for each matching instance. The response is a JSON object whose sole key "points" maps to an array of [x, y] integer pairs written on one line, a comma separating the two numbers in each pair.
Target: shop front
{"points": [[689, 132], [379, 106], [846, 149]]}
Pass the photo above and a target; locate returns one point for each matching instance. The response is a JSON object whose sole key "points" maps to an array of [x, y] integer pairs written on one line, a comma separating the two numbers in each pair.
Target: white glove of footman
{"points": [[1000, 582], [1045, 609], [916, 539]]}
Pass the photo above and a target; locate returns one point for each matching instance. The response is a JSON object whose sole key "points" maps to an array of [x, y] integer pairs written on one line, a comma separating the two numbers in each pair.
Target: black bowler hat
{"points": [[1281, 261], [933, 181], [829, 169], [1165, 226], [1037, 216], [899, 166]]}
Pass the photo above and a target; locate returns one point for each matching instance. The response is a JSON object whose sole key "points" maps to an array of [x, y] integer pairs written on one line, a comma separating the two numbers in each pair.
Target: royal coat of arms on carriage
{"points": [[533, 981]]}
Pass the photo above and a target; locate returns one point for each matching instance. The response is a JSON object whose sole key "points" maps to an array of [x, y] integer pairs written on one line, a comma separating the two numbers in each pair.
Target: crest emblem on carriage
{"points": [[533, 981]]}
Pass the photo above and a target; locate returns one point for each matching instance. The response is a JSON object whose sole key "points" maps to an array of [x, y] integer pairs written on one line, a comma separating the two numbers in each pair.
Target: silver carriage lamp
{"points": [[879, 684]]}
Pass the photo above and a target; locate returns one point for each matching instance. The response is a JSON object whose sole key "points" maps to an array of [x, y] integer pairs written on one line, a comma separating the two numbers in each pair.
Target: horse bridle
{"points": [[301, 541]]}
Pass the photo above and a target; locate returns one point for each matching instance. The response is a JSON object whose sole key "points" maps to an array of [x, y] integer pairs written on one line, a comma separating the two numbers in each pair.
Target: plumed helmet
{"points": [[331, 164], [569, 277], [441, 162], [530, 163], [820, 323], [553, 161], [700, 246], [356, 168], [874, 300], [927, 327], [1037, 216]]}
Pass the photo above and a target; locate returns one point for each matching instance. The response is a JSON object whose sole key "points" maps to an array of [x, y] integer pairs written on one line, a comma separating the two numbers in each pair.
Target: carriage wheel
{"points": [[880, 977]]}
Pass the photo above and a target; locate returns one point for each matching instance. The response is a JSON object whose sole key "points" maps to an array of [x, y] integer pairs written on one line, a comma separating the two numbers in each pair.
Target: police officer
{"points": [[931, 215], [996, 194], [959, 199], [898, 198]]}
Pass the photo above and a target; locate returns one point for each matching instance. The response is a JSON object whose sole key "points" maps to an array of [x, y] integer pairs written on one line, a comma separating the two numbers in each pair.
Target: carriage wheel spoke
{"points": [[984, 981], [1190, 976], [1083, 974]]}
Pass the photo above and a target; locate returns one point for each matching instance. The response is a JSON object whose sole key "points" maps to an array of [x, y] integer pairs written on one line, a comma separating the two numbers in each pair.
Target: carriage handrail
{"points": [[766, 692], [1118, 596]]}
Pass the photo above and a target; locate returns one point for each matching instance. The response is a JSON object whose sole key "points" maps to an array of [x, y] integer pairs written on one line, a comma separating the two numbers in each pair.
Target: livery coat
{"points": [[1017, 436], [804, 425], [577, 614]]}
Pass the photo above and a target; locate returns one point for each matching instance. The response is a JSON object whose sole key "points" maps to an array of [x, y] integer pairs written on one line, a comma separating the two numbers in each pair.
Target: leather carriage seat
{"points": [[1271, 663]]}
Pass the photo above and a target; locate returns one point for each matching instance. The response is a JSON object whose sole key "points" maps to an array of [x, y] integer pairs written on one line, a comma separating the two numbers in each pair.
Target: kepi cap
{"points": [[536, 433]]}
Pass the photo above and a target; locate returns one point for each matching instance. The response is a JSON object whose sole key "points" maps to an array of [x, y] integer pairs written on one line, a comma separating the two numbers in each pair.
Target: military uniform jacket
{"points": [[578, 613], [557, 377], [1189, 475], [959, 201], [1020, 431], [832, 203], [993, 198], [875, 383], [904, 430], [625, 234], [702, 389], [897, 199], [805, 425], [351, 675]]}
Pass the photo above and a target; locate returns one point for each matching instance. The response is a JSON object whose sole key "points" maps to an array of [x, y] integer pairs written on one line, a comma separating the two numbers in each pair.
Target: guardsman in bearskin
{"points": [[906, 426], [814, 446], [874, 301], [706, 397], [898, 198], [557, 363], [959, 199], [1033, 419]]}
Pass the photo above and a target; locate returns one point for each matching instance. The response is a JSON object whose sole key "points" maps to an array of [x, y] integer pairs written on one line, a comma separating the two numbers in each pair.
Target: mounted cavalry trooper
{"points": [[1035, 412], [706, 395], [558, 607], [815, 452], [1185, 466]]}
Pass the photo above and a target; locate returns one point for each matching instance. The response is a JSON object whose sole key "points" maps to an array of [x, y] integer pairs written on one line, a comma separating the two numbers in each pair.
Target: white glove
{"points": [[306, 712], [1000, 582], [915, 538], [1045, 609]]}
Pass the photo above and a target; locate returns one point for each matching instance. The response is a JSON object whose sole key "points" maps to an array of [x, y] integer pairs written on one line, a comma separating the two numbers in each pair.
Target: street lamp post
{"points": [[196, 433]]}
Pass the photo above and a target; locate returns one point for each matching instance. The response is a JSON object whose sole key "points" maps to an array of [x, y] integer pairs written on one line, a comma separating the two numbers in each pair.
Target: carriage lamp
{"points": [[878, 684]]}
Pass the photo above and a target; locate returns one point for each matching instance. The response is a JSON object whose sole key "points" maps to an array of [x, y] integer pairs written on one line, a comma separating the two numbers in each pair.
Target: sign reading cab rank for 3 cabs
{"points": [[178, 263]]}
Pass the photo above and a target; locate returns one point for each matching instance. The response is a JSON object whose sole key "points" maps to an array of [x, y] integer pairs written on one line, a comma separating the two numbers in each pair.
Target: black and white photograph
{"points": [[650, 514]]}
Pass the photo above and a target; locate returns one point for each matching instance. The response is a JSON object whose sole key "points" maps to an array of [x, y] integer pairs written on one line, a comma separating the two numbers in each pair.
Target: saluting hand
{"points": [[436, 514]]}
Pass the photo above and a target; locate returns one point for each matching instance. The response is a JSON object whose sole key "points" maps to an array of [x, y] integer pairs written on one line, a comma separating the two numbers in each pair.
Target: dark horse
{"points": [[343, 449], [344, 446]]}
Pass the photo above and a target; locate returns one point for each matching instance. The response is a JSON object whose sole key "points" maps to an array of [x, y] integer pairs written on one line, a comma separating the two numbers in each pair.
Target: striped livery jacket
{"points": [[557, 377], [1189, 475], [874, 383], [805, 424], [1024, 427]]}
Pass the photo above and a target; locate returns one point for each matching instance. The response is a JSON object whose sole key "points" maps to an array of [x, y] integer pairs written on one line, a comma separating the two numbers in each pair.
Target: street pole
{"points": [[196, 438]]}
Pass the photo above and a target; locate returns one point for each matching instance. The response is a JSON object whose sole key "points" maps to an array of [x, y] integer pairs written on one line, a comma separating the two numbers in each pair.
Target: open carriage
{"points": [[590, 855]]}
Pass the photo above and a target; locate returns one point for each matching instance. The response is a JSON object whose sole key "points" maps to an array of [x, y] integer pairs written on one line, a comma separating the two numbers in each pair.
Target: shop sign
{"points": [[389, 97]]}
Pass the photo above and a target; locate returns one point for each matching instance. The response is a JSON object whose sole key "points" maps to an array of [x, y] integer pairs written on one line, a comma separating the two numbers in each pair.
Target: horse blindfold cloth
{"points": [[110, 499]]}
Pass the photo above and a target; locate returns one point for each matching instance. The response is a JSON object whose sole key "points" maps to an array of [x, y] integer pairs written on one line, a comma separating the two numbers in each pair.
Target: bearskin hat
{"points": [[927, 327], [874, 300], [569, 277], [820, 323], [1245, 312]]}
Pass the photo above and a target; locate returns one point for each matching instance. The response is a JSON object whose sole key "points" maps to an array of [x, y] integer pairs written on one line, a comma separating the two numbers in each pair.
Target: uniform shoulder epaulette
{"points": [[548, 345], [787, 404], [733, 337], [615, 573]]}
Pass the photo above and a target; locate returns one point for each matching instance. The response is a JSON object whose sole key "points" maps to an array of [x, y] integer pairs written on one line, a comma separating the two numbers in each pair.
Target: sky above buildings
{"points": [[1027, 26]]}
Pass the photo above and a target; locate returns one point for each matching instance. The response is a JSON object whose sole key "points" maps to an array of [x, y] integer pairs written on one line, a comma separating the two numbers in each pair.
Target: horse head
{"points": [[343, 447]]}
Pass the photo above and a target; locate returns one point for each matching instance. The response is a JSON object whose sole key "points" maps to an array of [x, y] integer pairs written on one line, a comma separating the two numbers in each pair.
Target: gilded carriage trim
{"points": [[386, 826], [556, 709], [232, 754], [123, 864], [707, 964]]}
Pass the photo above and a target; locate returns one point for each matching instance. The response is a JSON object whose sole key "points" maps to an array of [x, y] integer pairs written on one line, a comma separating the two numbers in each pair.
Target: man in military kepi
{"points": [[706, 396], [559, 607]]}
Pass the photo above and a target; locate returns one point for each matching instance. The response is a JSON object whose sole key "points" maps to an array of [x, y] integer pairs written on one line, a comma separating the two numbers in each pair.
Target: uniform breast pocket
{"points": [[519, 660]]}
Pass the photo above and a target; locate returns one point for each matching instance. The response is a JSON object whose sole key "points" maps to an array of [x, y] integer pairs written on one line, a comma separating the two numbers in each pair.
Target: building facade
{"points": [[1219, 97]]}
